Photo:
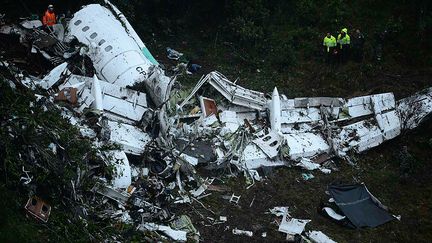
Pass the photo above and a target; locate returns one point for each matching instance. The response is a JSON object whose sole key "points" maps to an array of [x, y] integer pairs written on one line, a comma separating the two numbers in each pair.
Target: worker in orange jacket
{"points": [[49, 19]]}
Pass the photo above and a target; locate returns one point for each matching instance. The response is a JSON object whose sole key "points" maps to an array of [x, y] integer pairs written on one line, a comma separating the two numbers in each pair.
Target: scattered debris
{"points": [[153, 136], [242, 232], [292, 226], [319, 237], [38, 208], [234, 199]]}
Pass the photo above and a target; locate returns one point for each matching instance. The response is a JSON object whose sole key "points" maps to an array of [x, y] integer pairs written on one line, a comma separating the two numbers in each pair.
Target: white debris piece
{"points": [[231, 91], [319, 237], [177, 235], [383, 102], [269, 143], [96, 91], [253, 157], [330, 212], [201, 189], [359, 106], [280, 211], [132, 139], [191, 160], [122, 170], [308, 164], [414, 109], [111, 193], [223, 218], [31, 24], [210, 120], [230, 122], [120, 104], [242, 232], [292, 226], [389, 123], [54, 76], [359, 136], [275, 112], [306, 145]]}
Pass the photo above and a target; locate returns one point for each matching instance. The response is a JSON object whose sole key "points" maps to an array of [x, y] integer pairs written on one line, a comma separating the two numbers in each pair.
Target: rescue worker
{"points": [[329, 44], [49, 18], [358, 45], [344, 42]]}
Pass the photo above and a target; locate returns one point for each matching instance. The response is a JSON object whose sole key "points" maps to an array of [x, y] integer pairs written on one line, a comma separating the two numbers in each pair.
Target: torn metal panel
{"points": [[54, 76], [269, 143], [200, 149], [301, 115], [231, 91], [359, 106], [414, 109], [118, 103], [177, 235], [253, 157], [319, 237], [306, 145], [389, 124], [359, 136], [229, 120], [237, 94], [122, 177], [292, 226], [158, 86], [307, 102], [132, 139], [38, 208], [111, 193], [383, 102], [190, 159], [367, 105]]}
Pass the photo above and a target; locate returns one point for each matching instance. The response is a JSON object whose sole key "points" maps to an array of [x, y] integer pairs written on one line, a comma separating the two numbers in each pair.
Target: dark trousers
{"points": [[329, 55], [344, 52]]}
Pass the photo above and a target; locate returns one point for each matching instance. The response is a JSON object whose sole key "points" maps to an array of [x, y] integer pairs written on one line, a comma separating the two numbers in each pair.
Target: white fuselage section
{"points": [[116, 56]]}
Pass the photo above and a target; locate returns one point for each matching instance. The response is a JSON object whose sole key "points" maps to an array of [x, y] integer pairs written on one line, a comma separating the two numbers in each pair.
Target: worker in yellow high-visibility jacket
{"points": [[329, 44], [344, 42]]}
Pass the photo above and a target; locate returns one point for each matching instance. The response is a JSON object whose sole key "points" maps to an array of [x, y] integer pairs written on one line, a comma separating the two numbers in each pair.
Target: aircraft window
{"points": [[108, 48], [85, 28], [101, 42], [92, 36], [78, 22]]}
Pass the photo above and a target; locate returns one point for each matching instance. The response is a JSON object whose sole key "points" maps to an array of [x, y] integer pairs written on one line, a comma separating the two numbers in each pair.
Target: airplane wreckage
{"points": [[100, 60]]}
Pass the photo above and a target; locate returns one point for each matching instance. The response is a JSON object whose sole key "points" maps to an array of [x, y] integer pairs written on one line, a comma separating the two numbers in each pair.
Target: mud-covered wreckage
{"points": [[100, 60]]}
